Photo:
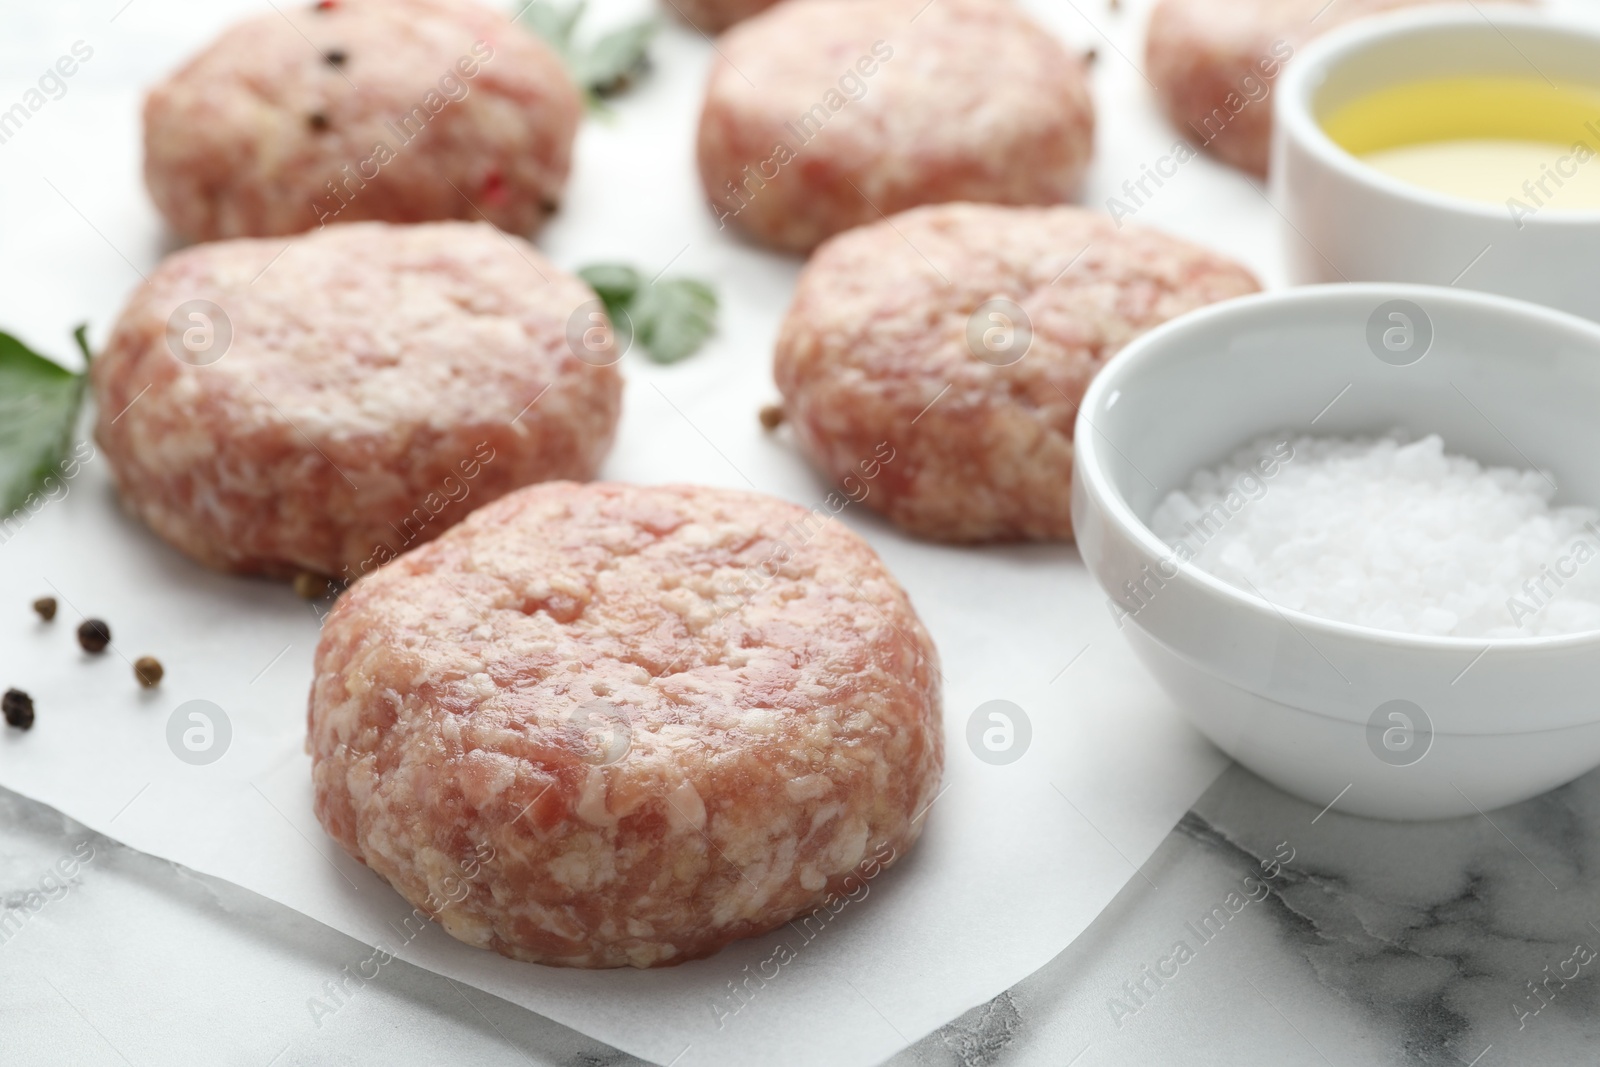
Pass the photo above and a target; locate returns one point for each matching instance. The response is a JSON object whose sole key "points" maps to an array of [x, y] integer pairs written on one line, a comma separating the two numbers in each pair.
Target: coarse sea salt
{"points": [[1391, 534]]}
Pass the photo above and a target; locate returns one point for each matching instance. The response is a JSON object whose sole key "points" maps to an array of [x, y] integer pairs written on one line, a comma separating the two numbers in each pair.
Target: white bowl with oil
{"points": [[1446, 146]]}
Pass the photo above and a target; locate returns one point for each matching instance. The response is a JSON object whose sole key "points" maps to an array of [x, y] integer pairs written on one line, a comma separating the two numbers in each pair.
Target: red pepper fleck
{"points": [[326, 5], [494, 187]]}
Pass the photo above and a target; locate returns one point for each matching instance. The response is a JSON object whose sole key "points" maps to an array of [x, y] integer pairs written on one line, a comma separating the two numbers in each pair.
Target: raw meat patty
{"points": [[608, 725], [1213, 63], [398, 110], [381, 381], [821, 115], [714, 16], [894, 337]]}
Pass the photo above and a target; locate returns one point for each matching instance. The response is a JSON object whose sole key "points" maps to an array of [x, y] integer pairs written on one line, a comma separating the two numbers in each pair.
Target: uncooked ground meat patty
{"points": [[399, 110], [821, 115], [714, 16], [884, 338], [1213, 63], [381, 382], [608, 725]]}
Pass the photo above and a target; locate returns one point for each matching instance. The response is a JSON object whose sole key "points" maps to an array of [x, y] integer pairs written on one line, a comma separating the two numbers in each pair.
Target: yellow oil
{"points": [[1515, 142]]}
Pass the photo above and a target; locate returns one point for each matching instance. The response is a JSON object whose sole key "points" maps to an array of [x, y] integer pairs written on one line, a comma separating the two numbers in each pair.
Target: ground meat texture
{"points": [[762, 708], [397, 110], [381, 382], [878, 356], [714, 16], [821, 115], [1213, 64]]}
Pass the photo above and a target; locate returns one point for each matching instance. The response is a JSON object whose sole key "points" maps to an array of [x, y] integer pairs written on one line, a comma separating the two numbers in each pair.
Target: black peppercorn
{"points": [[337, 57], [94, 635], [318, 121], [18, 708]]}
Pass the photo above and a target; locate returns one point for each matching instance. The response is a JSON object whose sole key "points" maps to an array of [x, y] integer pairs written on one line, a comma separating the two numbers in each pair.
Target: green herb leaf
{"points": [[616, 59], [671, 317], [555, 24], [81, 335], [604, 68], [615, 283], [674, 317], [38, 412]]}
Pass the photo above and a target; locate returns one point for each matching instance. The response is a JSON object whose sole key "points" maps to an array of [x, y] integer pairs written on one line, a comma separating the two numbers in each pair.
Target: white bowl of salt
{"points": [[1354, 531]]}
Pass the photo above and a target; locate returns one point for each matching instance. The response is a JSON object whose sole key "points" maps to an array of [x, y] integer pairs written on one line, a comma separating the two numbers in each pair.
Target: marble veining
{"points": [[1461, 942]]}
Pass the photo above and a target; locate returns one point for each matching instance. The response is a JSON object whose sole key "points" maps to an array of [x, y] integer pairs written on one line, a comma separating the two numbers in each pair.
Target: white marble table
{"points": [[1366, 943]]}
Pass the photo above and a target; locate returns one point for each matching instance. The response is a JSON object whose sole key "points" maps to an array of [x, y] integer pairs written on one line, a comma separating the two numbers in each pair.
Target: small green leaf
{"points": [[38, 411], [604, 68], [81, 335], [615, 283], [555, 24], [616, 59], [673, 318]]}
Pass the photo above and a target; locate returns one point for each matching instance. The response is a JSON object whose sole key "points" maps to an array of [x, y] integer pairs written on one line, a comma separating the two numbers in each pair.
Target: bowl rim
{"points": [[1303, 74], [1148, 348]]}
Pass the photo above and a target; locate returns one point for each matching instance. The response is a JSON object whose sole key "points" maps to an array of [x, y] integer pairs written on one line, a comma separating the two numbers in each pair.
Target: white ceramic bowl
{"points": [[1306, 702], [1346, 221]]}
